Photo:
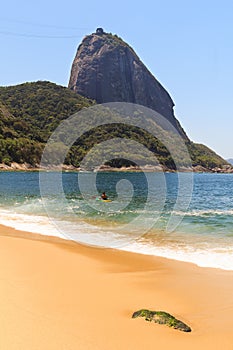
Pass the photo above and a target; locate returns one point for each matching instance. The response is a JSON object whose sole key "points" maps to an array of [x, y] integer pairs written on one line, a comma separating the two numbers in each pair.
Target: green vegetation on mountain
{"points": [[204, 156], [30, 112]]}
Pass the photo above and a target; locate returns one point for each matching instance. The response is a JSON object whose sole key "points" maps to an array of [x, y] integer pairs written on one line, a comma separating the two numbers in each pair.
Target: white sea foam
{"points": [[203, 258], [29, 223], [79, 231], [205, 212], [216, 257]]}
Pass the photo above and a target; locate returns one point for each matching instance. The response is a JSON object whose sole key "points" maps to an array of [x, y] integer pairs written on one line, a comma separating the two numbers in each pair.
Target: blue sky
{"points": [[187, 45]]}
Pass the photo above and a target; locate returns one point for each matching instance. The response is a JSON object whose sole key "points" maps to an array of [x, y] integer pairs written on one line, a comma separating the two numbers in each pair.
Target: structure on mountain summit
{"points": [[99, 31]]}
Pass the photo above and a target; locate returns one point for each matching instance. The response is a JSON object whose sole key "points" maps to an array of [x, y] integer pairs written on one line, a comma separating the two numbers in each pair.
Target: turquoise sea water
{"points": [[138, 218]]}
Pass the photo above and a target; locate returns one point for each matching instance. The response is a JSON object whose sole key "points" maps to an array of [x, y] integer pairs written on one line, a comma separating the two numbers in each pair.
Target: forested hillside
{"points": [[30, 112]]}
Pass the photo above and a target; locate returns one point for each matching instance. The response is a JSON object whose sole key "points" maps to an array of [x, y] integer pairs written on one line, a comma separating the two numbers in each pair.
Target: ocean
{"points": [[187, 217]]}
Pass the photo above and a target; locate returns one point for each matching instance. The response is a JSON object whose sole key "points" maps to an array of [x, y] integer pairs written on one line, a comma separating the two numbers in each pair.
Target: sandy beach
{"points": [[56, 295]]}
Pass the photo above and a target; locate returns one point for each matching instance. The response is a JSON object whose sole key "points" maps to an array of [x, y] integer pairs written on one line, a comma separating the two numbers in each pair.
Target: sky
{"points": [[187, 45]]}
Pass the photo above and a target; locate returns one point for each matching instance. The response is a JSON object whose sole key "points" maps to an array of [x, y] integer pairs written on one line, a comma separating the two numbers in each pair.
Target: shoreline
{"points": [[199, 260], [226, 169], [202, 259], [57, 294]]}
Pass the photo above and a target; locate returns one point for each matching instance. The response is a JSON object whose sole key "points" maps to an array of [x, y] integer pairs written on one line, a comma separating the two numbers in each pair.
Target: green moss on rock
{"points": [[162, 317]]}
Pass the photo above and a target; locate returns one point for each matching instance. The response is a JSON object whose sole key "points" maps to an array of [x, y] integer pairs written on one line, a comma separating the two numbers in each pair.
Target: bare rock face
{"points": [[107, 69]]}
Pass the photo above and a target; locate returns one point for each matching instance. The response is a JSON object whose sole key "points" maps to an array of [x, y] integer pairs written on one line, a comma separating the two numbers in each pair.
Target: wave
{"points": [[215, 256], [205, 213]]}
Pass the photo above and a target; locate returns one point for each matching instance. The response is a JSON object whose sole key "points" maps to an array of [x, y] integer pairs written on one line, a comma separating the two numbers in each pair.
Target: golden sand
{"points": [[63, 296]]}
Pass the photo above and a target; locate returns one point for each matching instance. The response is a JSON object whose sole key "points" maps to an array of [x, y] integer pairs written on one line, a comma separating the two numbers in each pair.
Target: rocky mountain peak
{"points": [[107, 69]]}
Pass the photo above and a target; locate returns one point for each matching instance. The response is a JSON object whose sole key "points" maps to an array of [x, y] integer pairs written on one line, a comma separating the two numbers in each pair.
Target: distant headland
{"points": [[105, 69]]}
